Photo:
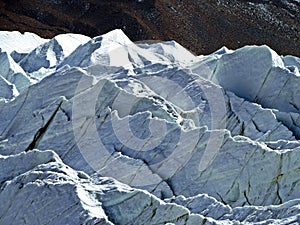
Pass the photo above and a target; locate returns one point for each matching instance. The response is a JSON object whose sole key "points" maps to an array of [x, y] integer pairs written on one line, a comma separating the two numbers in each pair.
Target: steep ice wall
{"points": [[193, 139]]}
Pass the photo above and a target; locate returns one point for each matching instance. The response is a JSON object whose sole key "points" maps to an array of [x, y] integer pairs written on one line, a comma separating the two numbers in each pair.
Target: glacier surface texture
{"points": [[106, 131]]}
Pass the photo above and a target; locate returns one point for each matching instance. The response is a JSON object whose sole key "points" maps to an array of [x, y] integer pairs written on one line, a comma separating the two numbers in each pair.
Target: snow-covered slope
{"points": [[106, 131]]}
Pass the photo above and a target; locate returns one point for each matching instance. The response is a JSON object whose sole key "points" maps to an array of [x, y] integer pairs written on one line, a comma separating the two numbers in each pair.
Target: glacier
{"points": [[107, 131]]}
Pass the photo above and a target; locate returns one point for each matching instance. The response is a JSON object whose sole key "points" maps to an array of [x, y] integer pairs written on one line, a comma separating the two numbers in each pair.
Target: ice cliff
{"points": [[105, 131]]}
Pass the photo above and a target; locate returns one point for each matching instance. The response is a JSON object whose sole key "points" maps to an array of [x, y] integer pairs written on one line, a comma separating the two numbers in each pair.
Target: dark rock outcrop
{"points": [[201, 26]]}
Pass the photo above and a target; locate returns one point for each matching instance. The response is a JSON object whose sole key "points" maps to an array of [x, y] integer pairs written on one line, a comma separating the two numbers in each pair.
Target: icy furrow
{"points": [[209, 139]]}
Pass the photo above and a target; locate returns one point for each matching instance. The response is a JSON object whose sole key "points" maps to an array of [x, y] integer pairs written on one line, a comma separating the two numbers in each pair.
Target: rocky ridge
{"points": [[201, 26]]}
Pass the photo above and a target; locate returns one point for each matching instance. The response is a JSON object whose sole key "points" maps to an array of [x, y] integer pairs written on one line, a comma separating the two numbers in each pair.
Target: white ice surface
{"points": [[194, 140]]}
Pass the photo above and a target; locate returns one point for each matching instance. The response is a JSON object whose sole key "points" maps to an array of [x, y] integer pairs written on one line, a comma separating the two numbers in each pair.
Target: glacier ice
{"points": [[106, 131], [51, 53], [21, 43]]}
